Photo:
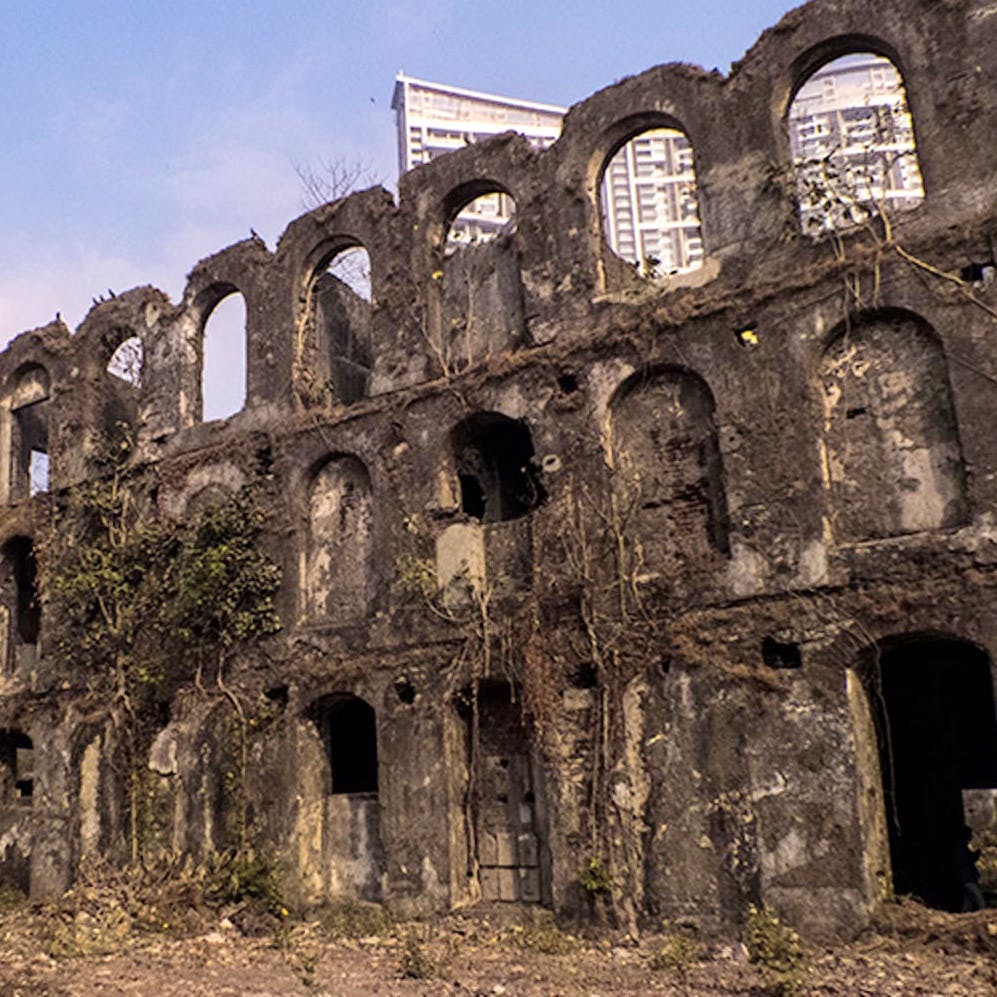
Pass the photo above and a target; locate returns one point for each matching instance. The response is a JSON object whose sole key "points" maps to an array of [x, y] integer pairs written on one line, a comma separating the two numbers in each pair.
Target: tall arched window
{"points": [[852, 143], [668, 472], [891, 455], [649, 203], [340, 542], [477, 276], [339, 361], [223, 373]]}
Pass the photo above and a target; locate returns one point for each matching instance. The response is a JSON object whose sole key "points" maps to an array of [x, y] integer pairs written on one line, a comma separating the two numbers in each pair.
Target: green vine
{"points": [[138, 604]]}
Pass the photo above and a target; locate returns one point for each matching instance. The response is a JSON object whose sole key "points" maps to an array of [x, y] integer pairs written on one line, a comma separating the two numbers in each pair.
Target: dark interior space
{"points": [[934, 708], [17, 781], [348, 730], [20, 557], [498, 478]]}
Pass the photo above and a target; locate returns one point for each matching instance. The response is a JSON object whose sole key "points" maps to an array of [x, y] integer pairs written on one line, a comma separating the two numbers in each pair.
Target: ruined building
{"points": [[641, 598]]}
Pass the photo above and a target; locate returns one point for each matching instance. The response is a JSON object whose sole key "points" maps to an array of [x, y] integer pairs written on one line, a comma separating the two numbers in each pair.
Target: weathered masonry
{"points": [[651, 597]]}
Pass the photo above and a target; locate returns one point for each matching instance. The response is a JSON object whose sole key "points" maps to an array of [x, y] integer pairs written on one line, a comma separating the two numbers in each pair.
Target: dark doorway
{"points": [[933, 703], [505, 804], [348, 730]]}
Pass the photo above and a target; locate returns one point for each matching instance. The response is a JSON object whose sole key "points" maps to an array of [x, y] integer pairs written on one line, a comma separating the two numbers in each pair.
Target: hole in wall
{"points": [[981, 274], [583, 675], [277, 695], [405, 691], [567, 383], [17, 767], [781, 654], [747, 337]]}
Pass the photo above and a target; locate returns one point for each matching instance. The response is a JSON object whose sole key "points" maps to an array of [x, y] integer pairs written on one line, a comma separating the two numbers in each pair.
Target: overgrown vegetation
{"points": [[680, 950], [138, 603], [775, 948]]}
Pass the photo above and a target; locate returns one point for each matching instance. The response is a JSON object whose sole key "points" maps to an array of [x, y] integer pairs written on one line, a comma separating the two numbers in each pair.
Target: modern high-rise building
{"points": [[650, 213], [433, 119], [852, 141], [649, 192], [851, 138]]}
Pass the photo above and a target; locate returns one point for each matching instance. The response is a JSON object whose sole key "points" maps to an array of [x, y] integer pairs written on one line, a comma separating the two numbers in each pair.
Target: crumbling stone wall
{"points": [[721, 535]]}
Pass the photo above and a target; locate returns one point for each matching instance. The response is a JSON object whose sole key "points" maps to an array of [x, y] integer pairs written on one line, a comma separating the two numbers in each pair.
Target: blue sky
{"points": [[140, 136]]}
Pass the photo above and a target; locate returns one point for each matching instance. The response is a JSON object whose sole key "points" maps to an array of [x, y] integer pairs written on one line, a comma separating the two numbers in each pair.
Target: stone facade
{"points": [[591, 572]]}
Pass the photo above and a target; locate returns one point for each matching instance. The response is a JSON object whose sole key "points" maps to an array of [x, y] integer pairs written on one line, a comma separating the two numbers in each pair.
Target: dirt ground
{"points": [[103, 941]]}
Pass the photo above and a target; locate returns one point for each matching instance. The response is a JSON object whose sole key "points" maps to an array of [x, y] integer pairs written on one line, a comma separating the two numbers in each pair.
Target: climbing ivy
{"points": [[136, 603]]}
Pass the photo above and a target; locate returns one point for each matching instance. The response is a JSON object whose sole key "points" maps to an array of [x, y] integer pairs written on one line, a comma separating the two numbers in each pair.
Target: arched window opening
{"points": [[340, 542], [17, 769], [20, 573], [223, 376], [933, 705], [650, 206], [498, 477], [342, 304], [851, 139], [891, 455], [348, 729], [126, 361], [478, 282], [480, 220], [668, 470], [29, 451]]}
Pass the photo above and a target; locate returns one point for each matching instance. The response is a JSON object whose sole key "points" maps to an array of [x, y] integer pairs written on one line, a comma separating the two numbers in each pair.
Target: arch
{"points": [[339, 356], [891, 458], [851, 135], [457, 200], [223, 352], [477, 212], [648, 199], [340, 542], [494, 459], [932, 703], [667, 466], [476, 292], [347, 727]]}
